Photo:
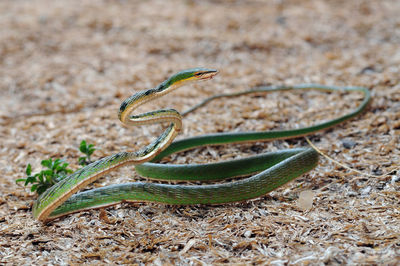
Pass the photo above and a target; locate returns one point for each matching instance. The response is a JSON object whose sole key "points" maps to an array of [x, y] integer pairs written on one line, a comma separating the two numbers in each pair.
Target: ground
{"points": [[66, 66]]}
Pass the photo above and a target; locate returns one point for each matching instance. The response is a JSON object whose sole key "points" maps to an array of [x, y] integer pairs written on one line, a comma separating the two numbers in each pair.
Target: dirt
{"points": [[66, 66]]}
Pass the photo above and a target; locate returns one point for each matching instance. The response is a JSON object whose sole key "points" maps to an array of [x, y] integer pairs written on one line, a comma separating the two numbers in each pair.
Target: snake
{"points": [[262, 173]]}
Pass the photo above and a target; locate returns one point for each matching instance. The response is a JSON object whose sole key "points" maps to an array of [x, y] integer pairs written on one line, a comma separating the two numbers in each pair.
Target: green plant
{"points": [[56, 171], [86, 149]]}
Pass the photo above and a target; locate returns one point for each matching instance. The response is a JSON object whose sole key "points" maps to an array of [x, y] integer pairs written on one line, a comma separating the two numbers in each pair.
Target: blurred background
{"points": [[53, 50]]}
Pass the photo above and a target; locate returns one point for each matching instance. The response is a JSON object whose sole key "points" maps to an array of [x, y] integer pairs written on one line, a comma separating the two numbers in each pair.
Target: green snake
{"points": [[269, 170]]}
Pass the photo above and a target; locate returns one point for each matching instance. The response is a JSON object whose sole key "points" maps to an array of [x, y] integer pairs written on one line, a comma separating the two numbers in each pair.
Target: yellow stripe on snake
{"points": [[273, 169]]}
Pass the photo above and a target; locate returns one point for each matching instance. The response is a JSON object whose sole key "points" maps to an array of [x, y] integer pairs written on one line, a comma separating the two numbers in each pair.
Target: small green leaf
{"points": [[60, 168], [40, 176], [83, 146], [30, 179], [27, 181], [48, 172], [41, 189], [82, 160], [49, 179], [47, 163], [55, 164], [28, 169], [20, 180], [64, 165], [33, 188], [91, 149], [67, 171]]}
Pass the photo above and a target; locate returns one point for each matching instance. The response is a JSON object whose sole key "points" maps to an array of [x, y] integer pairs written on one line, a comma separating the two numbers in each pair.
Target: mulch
{"points": [[65, 67]]}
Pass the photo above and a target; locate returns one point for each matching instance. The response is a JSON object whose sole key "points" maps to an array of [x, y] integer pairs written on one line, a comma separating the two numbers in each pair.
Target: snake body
{"points": [[276, 168]]}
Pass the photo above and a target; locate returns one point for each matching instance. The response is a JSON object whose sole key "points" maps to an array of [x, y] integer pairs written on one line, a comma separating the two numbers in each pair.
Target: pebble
{"points": [[348, 144]]}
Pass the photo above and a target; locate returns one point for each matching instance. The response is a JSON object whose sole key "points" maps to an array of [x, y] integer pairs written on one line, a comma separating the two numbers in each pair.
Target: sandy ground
{"points": [[65, 67]]}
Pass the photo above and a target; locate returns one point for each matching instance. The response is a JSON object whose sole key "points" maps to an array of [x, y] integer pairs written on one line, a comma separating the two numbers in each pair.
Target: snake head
{"points": [[204, 73], [192, 74]]}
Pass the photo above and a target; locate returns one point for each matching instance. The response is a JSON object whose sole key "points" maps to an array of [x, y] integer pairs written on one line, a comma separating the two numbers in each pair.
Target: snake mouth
{"points": [[208, 74]]}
